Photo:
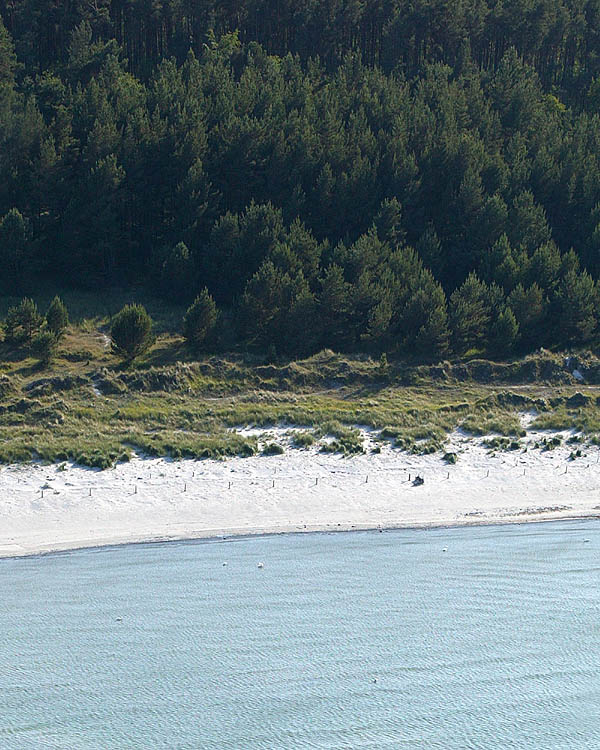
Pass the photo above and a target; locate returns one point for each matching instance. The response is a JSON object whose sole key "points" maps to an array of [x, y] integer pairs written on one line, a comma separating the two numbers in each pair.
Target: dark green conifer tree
{"points": [[22, 322], [529, 307], [131, 332], [470, 314], [200, 320], [504, 333], [57, 317], [177, 273], [13, 243]]}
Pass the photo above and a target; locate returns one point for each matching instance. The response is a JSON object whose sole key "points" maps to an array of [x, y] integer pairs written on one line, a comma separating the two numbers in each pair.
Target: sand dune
{"points": [[46, 508]]}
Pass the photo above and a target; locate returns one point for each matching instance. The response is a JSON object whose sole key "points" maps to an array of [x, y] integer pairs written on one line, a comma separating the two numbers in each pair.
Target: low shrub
{"points": [[550, 445], [273, 449]]}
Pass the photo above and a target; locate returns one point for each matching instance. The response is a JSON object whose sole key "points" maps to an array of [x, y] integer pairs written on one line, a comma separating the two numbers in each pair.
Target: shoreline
{"points": [[234, 535], [58, 508]]}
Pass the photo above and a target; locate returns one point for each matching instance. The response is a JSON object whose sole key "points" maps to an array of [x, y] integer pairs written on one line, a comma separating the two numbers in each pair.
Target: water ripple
{"points": [[361, 640]]}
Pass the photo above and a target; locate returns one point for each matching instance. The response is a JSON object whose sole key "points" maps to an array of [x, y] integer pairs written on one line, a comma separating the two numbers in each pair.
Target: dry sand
{"points": [[48, 508]]}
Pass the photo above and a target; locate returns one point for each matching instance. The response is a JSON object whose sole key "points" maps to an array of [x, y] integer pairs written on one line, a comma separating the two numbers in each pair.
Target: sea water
{"points": [[482, 637]]}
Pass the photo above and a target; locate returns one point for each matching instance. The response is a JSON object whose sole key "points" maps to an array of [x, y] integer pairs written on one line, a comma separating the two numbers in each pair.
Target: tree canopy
{"points": [[397, 176]]}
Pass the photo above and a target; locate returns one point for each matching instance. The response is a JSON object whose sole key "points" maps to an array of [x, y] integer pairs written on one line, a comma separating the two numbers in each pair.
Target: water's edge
{"points": [[213, 535]]}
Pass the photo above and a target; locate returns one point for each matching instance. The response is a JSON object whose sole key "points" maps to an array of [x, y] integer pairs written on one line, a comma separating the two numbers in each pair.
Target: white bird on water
{"points": [[261, 565]]}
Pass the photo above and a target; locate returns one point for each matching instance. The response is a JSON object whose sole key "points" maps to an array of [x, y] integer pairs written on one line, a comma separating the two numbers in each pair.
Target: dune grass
{"points": [[303, 440], [505, 424], [85, 406], [98, 430]]}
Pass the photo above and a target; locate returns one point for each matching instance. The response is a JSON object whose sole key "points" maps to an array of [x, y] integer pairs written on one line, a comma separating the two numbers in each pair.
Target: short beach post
{"points": [[90, 491], [316, 481], [135, 489], [185, 487], [273, 483], [488, 473], [367, 479], [229, 486], [448, 477]]}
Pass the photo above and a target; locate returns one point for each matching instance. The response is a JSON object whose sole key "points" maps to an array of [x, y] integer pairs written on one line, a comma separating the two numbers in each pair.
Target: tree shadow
{"points": [[164, 353], [10, 353]]}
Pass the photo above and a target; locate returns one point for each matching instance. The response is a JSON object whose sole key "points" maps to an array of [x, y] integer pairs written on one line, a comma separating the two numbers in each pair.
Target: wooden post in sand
{"points": [[90, 491], [185, 487], [316, 481], [273, 483], [135, 490], [229, 486], [367, 479], [42, 493]]}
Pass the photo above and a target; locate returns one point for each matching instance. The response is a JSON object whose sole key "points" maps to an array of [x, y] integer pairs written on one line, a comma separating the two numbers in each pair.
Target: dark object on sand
{"points": [[418, 481]]}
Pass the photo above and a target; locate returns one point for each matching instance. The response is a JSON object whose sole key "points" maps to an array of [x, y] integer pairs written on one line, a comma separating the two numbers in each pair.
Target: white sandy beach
{"points": [[47, 508]]}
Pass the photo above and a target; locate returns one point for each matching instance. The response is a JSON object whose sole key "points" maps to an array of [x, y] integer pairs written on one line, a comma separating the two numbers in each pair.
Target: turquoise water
{"points": [[359, 640]]}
